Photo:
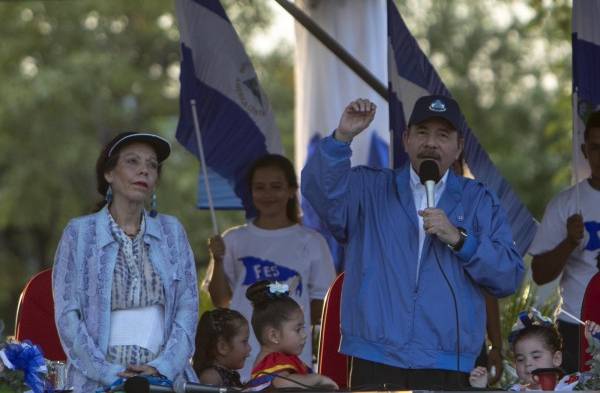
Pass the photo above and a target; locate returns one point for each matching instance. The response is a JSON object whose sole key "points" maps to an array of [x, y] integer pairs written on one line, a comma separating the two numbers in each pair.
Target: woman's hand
{"points": [[591, 328], [575, 229], [137, 370], [216, 246]]}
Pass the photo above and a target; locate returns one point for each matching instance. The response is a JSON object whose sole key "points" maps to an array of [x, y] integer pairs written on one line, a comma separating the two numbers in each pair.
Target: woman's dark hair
{"points": [[104, 164], [285, 165], [270, 309], [220, 323], [593, 121], [548, 333]]}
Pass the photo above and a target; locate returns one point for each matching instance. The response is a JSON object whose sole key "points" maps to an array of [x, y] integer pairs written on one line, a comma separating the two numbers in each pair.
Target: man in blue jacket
{"points": [[413, 311]]}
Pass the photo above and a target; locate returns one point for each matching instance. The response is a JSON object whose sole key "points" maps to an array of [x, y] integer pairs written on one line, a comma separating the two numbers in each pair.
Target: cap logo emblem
{"points": [[437, 106]]}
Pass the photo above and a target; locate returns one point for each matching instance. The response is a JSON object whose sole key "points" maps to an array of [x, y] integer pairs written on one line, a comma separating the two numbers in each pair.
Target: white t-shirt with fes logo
{"points": [[296, 255], [582, 263]]}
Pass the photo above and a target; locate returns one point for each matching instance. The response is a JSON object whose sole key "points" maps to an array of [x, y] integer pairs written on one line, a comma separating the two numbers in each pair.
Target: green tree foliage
{"points": [[74, 73], [508, 63]]}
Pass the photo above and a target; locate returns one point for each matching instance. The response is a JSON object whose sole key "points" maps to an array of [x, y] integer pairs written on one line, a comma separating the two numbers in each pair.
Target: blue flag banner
{"points": [[411, 76], [235, 117], [586, 83], [324, 85]]}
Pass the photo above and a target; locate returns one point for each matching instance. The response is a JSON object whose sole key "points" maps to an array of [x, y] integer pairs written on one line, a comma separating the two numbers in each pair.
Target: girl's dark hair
{"points": [[104, 164], [286, 166], [593, 121], [220, 323], [270, 309], [548, 333]]}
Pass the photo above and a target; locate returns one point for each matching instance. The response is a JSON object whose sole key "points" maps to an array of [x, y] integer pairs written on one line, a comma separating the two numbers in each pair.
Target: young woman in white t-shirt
{"points": [[275, 247]]}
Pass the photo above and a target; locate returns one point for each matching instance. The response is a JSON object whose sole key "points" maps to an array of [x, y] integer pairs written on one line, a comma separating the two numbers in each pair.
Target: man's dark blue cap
{"points": [[443, 107]]}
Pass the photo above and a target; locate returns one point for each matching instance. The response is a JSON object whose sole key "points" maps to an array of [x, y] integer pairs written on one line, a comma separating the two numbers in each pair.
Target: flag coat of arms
{"points": [[235, 118]]}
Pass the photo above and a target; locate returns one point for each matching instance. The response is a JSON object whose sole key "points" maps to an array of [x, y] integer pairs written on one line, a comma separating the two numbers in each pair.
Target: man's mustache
{"points": [[429, 155]]}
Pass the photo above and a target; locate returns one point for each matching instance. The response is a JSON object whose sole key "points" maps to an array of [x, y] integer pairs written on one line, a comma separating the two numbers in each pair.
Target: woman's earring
{"points": [[109, 195], [153, 211]]}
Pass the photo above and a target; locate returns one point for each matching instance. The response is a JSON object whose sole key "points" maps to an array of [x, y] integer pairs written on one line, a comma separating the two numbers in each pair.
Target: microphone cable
{"points": [[437, 259], [303, 385], [429, 172], [371, 387]]}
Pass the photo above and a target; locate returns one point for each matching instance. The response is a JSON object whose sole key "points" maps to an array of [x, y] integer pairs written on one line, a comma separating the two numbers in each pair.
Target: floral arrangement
{"points": [[278, 289], [591, 379], [527, 319], [22, 365]]}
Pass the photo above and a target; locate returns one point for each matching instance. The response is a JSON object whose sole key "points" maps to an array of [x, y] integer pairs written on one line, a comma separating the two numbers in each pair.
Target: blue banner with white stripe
{"points": [[324, 85], [411, 76], [586, 80], [236, 121]]}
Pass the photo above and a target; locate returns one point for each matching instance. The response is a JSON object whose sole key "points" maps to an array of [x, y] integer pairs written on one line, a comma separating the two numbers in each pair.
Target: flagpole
{"points": [[337, 49], [574, 141], [211, 206]]}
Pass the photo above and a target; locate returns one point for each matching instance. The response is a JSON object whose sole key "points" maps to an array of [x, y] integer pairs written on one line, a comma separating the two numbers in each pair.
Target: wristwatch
{"points": [[461, 241]]}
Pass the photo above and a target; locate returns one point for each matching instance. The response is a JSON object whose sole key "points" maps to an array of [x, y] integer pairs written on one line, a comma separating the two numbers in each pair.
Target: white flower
{"points": [[278, 288]]}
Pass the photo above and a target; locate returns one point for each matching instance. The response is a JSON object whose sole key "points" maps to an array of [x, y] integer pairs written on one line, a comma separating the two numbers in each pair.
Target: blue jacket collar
{"points": [[452, 195], [404, 193]]}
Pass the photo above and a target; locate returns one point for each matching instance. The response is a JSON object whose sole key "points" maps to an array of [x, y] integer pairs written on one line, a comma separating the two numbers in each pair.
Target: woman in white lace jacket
{"points": [[124, 279]]}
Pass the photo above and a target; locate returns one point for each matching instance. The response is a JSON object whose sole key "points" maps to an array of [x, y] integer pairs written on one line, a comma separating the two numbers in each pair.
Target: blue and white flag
{"points": [[325, 85], [235, 117], [411, 76], [586, 76]]}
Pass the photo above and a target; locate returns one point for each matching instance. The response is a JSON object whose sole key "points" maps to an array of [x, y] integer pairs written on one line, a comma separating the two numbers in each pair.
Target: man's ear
{"points": [[405, 137], [557, 358], [461, 145]]}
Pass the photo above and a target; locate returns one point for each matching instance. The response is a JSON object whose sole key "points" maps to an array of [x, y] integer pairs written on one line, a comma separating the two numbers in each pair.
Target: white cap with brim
{"points": [[160, 144]]}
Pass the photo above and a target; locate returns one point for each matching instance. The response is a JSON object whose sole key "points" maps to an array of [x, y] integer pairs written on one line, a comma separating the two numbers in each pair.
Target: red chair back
{"points": [[590, 310], [35, 316], [332, 363]]}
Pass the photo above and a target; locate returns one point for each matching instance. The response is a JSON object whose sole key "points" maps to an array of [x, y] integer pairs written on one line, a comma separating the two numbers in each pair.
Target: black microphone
{"points": [[142, 385], [191, 387], [429, 174]]}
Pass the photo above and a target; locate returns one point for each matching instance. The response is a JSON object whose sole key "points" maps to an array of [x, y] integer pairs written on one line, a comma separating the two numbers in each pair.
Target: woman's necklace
{"points": [[132, 234]]}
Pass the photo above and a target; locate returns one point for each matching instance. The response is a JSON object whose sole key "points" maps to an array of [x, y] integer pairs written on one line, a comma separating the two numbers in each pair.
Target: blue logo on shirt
{"points": [[261, 269], [593, 228]]}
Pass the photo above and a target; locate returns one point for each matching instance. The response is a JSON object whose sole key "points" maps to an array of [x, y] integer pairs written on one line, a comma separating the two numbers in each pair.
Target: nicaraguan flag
{"points": [[586, 76], [235, 117], [325, 85], [411, 76]]}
